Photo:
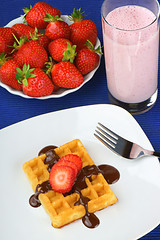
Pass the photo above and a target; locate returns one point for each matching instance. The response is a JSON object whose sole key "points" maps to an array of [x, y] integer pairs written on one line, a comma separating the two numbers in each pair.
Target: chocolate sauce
{"points": [[41, 188], [51, 158], [90, 220], [110, 174], [46, 149]]}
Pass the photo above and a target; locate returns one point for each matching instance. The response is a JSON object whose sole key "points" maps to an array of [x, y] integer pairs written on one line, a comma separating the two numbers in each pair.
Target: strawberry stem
{"points": [[18, 43], [77, 15], [51, 18], [36, 35], [25, 10], [24, 74], [3, 58], [49, 66], [92, 48], [69, 53]]}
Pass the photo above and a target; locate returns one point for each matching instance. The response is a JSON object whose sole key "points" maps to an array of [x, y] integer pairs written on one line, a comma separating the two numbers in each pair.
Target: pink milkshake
{"points": [[131, 40]]}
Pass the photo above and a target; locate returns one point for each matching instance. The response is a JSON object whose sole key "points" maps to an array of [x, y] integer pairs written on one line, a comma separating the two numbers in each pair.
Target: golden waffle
{"points": [[60, 208]]}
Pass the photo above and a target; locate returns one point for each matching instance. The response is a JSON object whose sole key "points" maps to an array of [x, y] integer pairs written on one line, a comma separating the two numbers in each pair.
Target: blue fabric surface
{"points": [[14, 108]]}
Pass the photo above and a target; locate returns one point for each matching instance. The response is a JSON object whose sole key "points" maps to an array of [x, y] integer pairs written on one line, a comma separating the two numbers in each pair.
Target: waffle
{"points": [[62, 209]]}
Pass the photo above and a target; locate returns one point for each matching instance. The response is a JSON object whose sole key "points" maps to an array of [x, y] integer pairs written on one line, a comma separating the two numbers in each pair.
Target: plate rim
{"points": [[88, 106]]}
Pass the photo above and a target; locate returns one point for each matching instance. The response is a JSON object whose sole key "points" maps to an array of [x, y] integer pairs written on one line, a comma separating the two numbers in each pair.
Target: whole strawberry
{"points": [[41, 38], [62, 49], [35, 82], [87, 59], [32, 53], [23, 30], [7, 39], [56, 28], [36, 14], [82, 30], [66, 75], [8, 72]]}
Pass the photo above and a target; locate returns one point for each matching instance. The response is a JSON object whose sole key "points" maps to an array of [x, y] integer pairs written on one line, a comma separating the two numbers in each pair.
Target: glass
{"points": [[131, 47]]}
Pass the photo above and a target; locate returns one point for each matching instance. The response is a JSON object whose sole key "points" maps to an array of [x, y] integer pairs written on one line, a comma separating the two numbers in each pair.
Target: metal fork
{"points": [[120, 145]]}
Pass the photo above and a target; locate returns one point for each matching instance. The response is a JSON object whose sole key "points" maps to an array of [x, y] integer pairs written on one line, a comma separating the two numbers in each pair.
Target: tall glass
{"points": [[131, 46]]}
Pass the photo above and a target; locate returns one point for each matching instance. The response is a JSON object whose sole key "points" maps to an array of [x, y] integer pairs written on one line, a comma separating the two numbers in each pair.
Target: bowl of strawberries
{"points": [[44, 54]]}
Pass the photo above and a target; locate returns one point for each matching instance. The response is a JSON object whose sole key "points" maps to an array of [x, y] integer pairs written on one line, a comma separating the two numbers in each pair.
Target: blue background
{"points": [[14, 108]]}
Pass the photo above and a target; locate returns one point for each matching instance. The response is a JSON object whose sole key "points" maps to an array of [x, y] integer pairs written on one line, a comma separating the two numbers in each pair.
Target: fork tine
{"points": [[114, 135], [104, 142], [106, 139], [109, 136]]}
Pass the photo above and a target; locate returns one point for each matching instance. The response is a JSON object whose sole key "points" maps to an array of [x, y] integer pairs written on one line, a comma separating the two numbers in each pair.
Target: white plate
{"points": [[62, 91], [136, 213]]}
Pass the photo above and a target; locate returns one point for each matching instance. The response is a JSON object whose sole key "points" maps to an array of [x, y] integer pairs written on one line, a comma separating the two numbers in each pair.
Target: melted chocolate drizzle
{"points": [[41, 188], [110, 174], [51, 156]]}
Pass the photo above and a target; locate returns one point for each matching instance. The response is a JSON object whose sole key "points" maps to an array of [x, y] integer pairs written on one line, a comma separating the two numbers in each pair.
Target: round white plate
{"points": [[138, 208], [62, 91]]}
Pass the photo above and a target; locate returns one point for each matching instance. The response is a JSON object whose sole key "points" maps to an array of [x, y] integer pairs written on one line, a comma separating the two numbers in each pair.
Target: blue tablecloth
{"points": [[14, 108]]}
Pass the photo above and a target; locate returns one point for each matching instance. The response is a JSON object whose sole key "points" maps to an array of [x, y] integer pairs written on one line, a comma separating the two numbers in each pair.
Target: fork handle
{"points": [[157, 154]]}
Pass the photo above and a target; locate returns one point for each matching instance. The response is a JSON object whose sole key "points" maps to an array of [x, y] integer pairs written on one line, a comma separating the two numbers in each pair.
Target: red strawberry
{"points": [[31, 53], [66, 75], [44, 41], [73, 158], [56, 28], [67, 163], [2, 45], [62, 49], [8, 72], [61, 178], [55, 88], [82, 30], [41, 38], [35, 16], [7, 35], [87, 58], [35, 82], [23, 30]]}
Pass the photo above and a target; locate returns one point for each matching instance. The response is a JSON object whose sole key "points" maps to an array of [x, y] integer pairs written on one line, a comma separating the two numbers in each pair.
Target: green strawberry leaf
{"points": [[18, 70], [18, 76], [70, 53], [3, 58], [25, 82], [49, 65], [25, 10], [28, 74], [24, 74], [36, 35], [51, 18], [77, 15], [92, 48], [18, 43]]}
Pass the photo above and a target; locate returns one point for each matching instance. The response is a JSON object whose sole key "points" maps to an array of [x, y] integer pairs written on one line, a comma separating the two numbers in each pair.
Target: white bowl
{"points": [[62, 91]]}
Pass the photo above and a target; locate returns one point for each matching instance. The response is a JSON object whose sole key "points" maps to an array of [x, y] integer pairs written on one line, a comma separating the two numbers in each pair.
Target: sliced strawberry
{"points": [[62, 162], [61, 178], [73, 158]]}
